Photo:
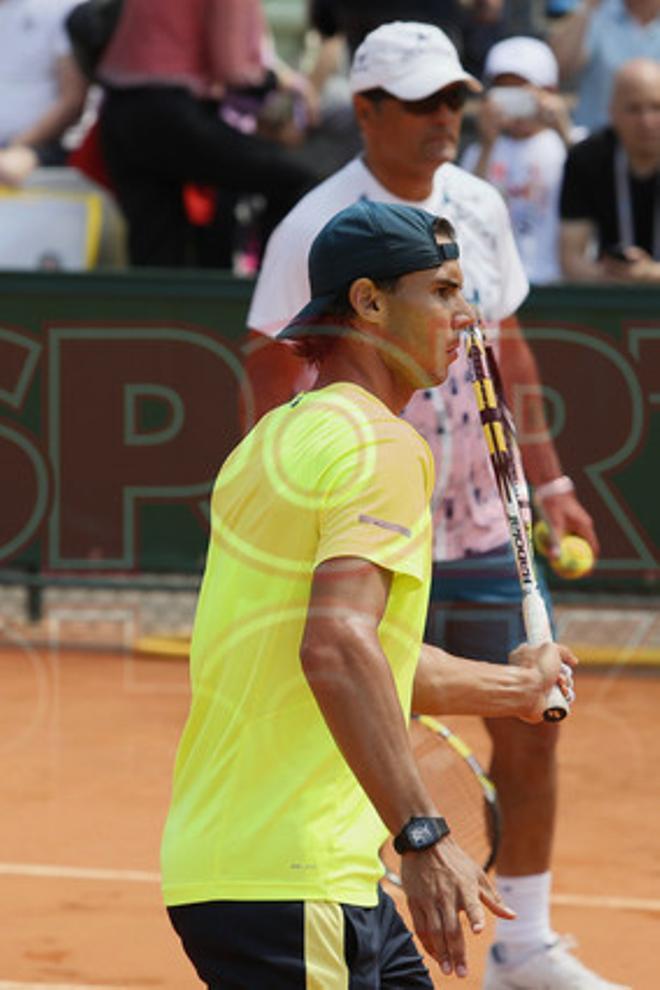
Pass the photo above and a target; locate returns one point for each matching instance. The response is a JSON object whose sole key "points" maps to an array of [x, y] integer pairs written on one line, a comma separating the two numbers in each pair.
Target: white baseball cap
{"points": [[409, 60], [528, 58]]}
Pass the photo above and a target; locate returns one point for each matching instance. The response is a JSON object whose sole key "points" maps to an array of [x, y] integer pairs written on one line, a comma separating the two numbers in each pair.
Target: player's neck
{"points": [[360, 365], [413, 186]]}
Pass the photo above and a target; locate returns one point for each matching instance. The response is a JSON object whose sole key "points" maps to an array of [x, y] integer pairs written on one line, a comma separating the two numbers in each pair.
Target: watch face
{"points": [[421, 833]]}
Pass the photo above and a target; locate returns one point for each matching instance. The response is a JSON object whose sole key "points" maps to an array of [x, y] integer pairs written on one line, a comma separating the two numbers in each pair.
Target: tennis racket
{"points": [[499, 431], [460, 788]]}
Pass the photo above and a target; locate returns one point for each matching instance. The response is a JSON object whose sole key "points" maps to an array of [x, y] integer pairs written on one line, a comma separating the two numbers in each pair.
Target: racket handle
{"points": [[556, 705], [537, 627]]}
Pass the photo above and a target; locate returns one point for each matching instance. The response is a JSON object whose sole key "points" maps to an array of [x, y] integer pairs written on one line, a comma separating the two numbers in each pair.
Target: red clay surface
{"points": [[88, 743]]}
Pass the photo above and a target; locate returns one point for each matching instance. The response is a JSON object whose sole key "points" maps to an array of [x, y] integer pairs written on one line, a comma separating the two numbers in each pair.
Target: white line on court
{"points": [[612, 903], [144, 876], [76, 873]]}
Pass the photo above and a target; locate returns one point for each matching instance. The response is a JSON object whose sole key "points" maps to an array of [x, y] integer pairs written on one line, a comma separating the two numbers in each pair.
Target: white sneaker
{"points": [[551, 968]]}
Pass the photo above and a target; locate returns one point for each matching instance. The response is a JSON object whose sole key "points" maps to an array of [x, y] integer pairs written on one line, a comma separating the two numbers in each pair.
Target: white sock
{"points": [[529, 897]]}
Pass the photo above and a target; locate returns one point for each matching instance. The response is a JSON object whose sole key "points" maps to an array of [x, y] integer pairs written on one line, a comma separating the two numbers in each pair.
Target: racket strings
{"points": [[460, 790], [458, 794]]}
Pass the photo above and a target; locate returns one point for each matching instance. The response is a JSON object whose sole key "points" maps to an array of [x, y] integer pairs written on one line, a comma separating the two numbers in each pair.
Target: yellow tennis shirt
{"points": [[264, 806]]}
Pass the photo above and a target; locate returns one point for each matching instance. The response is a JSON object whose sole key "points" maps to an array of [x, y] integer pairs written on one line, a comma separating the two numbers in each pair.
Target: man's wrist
{"points": [[419, 833], [558, 486]]}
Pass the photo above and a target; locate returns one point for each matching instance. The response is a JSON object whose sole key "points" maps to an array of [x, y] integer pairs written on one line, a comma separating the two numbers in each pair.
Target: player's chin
{"points": [[433, 378]]}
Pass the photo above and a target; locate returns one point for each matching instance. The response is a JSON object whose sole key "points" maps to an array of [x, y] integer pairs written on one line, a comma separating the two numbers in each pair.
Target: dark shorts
{"points": [[475, 606], [298, 945]]}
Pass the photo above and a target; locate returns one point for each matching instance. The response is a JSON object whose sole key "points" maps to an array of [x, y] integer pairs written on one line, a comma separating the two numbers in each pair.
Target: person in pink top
{"points": [[164, 71]]}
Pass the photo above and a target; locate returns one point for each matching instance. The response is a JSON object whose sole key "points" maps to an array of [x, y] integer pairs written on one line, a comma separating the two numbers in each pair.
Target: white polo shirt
{"points": [[467, 514], [32, 39]]}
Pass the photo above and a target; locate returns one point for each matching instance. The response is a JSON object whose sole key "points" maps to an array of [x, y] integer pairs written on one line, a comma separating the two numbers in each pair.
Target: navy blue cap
{"points": [[371, 240]]}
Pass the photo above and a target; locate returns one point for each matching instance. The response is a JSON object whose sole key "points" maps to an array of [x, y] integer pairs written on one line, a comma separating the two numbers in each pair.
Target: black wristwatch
{"points": [[420, 833]]}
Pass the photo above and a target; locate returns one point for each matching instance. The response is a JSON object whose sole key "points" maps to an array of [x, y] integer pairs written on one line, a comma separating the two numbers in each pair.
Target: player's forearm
{"points": [[522, 387], [449, 685], [353, 686]]}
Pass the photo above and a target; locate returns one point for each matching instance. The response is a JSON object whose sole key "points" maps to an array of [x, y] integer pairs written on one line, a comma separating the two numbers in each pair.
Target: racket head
{"points": [[461, 790]]}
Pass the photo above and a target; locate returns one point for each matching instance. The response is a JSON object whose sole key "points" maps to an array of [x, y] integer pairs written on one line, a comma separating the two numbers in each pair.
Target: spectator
{"points": [[524, 126], [473, 27], [593, 41], [611, 190], [42, 91], [164, 71], [409, 91]]}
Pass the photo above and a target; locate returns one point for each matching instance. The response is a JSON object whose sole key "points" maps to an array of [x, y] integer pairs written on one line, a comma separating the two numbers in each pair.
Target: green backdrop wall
{"points": [[119, 397]]}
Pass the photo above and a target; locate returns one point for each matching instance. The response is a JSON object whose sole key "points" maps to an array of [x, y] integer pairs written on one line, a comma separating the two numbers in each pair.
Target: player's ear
{"points": [[367, 300]]}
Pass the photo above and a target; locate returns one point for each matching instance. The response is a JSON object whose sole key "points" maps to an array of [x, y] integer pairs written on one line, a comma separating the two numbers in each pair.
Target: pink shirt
{"points": [[466, 508], [193, 43]]}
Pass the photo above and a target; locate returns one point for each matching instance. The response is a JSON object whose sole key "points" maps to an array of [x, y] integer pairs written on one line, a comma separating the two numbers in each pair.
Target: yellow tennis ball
{"points": [[541, 533], [575, 559]]}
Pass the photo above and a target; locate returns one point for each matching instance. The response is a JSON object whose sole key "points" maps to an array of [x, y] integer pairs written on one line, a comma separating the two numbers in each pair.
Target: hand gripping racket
{"points": [[454, 778], [499, 431]]}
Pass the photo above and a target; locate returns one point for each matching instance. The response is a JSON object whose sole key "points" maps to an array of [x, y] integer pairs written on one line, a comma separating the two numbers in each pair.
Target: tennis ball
{"points": [[575, 558]]}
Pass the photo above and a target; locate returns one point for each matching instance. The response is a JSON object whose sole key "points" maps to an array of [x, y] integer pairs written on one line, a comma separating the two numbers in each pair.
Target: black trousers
{"points": [[156, 139], [290, 945]]}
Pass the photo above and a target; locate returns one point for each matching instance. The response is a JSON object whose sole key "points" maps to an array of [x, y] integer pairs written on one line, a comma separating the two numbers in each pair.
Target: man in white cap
{"points": [[524, 128], [409, 90]]}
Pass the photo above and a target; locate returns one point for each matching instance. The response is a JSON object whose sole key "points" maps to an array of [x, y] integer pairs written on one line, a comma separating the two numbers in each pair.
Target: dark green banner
{"points": [[119, 398]]}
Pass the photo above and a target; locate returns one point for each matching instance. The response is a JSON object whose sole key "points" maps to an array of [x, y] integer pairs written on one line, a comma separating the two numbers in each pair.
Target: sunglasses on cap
{"points": [[452, 97]]}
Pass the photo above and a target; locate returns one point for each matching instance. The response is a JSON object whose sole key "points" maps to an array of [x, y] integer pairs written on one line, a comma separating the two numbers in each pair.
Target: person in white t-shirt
{"points": [[409, 89], [42, 91], [524, 128]]}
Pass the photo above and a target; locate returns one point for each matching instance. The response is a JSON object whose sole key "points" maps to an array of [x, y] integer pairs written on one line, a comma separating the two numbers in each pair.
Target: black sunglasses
{"points": [[453, 97]]}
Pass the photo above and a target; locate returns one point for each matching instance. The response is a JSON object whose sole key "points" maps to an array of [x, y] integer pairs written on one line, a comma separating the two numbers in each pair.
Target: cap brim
{"points": [[309, 320], [419, 85]]}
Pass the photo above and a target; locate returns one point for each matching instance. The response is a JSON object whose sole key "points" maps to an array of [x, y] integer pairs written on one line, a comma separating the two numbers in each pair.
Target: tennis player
{"points": [[306, 654]]}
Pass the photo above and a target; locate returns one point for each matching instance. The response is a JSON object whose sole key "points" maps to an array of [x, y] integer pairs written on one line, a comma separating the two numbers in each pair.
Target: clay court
{"points": [[88, 742]]}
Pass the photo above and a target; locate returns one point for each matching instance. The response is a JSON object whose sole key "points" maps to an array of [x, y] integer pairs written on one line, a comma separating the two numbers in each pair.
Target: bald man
{"points": [[611, 190]]}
